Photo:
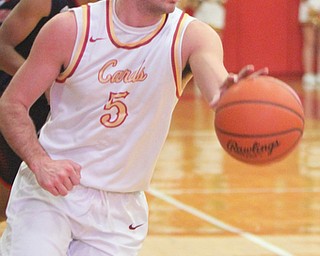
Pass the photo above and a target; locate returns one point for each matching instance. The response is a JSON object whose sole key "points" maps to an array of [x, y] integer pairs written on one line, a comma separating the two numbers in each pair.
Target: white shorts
{"points": [[87, 222]]}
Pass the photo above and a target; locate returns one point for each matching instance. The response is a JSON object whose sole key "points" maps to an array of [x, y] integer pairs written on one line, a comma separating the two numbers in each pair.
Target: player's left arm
{"points": [[204, 54]]}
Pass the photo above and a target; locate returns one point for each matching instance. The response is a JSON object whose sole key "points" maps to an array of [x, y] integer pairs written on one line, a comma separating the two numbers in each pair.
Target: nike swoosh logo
{"points": [[131, 227], [92, 39]]}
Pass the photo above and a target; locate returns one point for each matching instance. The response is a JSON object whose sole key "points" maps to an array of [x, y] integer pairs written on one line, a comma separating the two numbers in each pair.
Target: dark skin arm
{"points": [[16, 27]]}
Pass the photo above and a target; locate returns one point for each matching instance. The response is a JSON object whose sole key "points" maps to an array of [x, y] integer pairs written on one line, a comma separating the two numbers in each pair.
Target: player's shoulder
{"points": [[200, 40], [198, 26], [199, 34], [61, 26]]}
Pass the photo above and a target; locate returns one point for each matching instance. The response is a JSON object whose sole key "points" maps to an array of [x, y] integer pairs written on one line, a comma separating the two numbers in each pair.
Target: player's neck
{"points": [[130, 14]]}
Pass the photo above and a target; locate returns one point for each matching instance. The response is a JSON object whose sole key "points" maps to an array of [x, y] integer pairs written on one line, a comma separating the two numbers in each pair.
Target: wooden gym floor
{"points": [[203, 203]]}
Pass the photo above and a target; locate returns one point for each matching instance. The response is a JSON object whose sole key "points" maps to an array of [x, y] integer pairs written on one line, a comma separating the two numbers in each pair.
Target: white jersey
{"points": [[111, 108]]}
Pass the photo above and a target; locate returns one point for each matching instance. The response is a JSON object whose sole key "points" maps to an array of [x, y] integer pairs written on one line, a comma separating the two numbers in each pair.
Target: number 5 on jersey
{"points": [[116, 110]]}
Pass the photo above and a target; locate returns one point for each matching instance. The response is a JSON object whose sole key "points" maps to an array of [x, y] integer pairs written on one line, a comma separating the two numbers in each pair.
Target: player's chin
{"points": [[174, 2], [171, 5], [168, 9]]}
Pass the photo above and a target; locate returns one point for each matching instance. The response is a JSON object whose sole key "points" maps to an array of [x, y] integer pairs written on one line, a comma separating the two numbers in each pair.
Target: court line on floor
{"points": [[243, 191], [214, 221]]}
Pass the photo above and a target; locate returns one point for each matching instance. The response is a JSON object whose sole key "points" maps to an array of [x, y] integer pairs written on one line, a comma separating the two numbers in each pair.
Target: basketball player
{"points": [[113, 90], [17, 34]]}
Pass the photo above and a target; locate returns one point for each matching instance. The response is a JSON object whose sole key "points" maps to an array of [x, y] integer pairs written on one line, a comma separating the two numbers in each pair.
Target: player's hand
{"points": [[245, 72], [58, 176]]}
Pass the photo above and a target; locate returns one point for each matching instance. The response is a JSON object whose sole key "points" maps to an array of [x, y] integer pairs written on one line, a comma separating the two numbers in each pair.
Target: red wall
{"points": [[263, 33]]}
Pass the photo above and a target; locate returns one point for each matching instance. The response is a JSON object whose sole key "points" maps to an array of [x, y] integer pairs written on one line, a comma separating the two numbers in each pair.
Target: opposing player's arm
{"points": [[16, 27]]}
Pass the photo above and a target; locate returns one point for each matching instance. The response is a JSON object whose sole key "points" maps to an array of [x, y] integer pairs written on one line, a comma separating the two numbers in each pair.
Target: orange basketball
{"points": [[259, 120]]}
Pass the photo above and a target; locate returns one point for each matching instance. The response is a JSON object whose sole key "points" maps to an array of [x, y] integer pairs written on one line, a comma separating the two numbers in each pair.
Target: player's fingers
{"points": [[68, 184], [53, 191], [75, 175], [75, 179], [246, 71], [231, 79], [260, 72], [76, 168], [62, 190]]}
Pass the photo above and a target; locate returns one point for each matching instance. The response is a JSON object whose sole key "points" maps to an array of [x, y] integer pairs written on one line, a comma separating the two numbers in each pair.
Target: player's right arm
{"points": [[51, 51]]}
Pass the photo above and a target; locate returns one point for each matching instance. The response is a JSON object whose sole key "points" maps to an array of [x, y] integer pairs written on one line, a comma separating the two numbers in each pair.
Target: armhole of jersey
{"points": [[184, 20], [83, 18]]}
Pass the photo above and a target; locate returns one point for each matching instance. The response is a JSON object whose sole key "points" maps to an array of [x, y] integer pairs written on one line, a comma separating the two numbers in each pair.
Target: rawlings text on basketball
{"points": [[257, 149]]}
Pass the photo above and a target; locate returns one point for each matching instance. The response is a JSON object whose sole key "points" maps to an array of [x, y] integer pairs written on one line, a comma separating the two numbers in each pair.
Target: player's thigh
{"points": [[36, 225], [118, 225], [79, 248], [36, 234]]}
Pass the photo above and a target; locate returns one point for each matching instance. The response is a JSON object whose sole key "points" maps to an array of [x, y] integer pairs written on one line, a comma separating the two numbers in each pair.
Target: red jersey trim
{"points": [[117, 43], [176, 69], [81, 47]]}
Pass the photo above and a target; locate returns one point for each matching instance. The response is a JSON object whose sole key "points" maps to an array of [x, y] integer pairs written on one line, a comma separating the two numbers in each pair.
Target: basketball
{"points": [[259, 120]]}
